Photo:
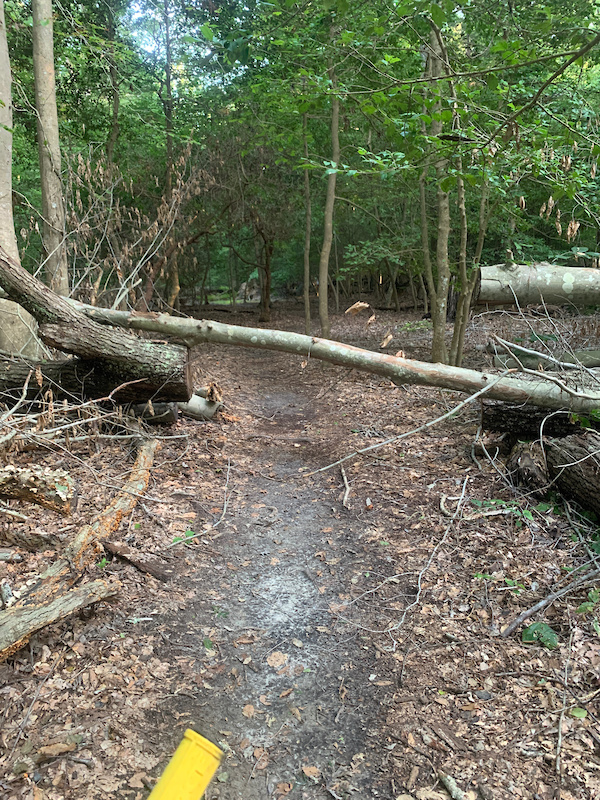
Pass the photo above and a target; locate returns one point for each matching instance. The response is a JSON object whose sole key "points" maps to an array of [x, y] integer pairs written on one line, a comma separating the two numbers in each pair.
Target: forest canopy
{"points": [[308, 147]]}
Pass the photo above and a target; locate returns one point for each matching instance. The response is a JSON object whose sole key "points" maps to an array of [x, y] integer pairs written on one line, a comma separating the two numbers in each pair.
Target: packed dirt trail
{"points": [[336, 633], [295, 695]]}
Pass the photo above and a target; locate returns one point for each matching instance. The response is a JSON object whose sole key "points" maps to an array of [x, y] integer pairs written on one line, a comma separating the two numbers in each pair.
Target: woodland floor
{"points": [[331, 651]]}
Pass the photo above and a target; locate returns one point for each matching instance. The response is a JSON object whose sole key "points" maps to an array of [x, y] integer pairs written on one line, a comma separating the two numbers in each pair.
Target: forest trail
{"points": [[293, 699], [331, 650]]}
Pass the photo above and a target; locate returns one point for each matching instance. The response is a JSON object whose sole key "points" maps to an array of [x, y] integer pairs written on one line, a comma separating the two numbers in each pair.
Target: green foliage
{"points": [[542, 633]]}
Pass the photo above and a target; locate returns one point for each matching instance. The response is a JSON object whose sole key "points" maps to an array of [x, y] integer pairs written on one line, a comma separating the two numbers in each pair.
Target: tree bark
{"points": [[574, 466], [577, 286], [53, 208], [18, 329], [50, 488], [307, 230], [399, 370], [329, 206], [152, 370]]}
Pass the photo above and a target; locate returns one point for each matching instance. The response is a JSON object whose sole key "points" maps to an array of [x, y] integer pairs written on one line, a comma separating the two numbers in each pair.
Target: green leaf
{"points": [[207, 32], [438, 14], [542, 633], [578, 713]]}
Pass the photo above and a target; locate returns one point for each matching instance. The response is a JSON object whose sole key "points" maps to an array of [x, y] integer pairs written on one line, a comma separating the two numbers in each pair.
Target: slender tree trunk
{"points": [[173, 287], [116, 98], [17, 327], [53, 208], [329, 206], [307, 230], [468, 280]]}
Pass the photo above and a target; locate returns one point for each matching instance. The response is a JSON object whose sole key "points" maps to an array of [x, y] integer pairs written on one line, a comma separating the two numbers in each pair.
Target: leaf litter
{"points": [[279, 637]]}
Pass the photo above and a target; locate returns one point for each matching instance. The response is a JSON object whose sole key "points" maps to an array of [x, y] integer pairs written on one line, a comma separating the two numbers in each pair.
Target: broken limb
{"points": [[55, 583], [576, 584], [18, 623], [405, 435], [536, 391]]}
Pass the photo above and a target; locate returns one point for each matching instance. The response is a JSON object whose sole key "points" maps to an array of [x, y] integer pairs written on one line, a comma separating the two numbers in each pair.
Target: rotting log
{"points": [[543, 282], [50, 488], [137, 368], [527, 421], [569, 465], [535, 391], [56, 582], [574, 467], [17, 624]]}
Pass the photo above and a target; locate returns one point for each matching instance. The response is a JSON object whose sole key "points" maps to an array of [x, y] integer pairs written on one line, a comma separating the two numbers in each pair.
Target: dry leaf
{"points": [[386, 340], [262, 759], [283, 788], [136, 781], [296, 713], [276, 659], [371, 320], [312, 772], [58, 749], [359, 306], [263, 700], [248, 711], [400, 354], [286, 692]]}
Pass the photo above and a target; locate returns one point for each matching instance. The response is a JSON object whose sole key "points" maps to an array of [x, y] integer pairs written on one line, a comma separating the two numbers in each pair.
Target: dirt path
{"points": [[294, 698]]}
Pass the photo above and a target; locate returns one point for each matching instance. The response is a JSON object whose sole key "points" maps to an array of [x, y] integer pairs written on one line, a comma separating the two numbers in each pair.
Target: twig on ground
{"points": [[451, 786], [424, 427], [347, 485], [562, 714], [206, 531], [577, 584], [425, 569]]}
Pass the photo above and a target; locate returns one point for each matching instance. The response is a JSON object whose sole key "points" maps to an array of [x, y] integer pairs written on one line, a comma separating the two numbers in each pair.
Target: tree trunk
{"points": [[307, 230], [400, 370], [53, 209], [574, 466], [575, 286], [329, 206], [151, 370], [18, 329]]}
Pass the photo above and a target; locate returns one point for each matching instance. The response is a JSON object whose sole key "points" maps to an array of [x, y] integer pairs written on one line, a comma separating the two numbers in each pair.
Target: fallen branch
{"points": [[53, 587], [537, 391], [525, 615], [17, 624], [146, 562]]}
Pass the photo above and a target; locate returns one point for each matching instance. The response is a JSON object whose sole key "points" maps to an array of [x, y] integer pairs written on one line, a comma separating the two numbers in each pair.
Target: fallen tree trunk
{"points": [[569, 465], [48, 598], [526, 421], [543, 282], [574, 467], [138, 369], [537, 391]]}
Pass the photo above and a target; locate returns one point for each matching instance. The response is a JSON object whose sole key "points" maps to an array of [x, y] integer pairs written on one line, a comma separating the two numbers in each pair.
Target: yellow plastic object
{"points": [[190, 770]]}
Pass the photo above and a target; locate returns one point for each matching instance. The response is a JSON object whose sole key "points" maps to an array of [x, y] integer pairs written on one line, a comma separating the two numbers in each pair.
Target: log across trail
{"points": [[537, 391], [537, 283], [143, 369]]}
